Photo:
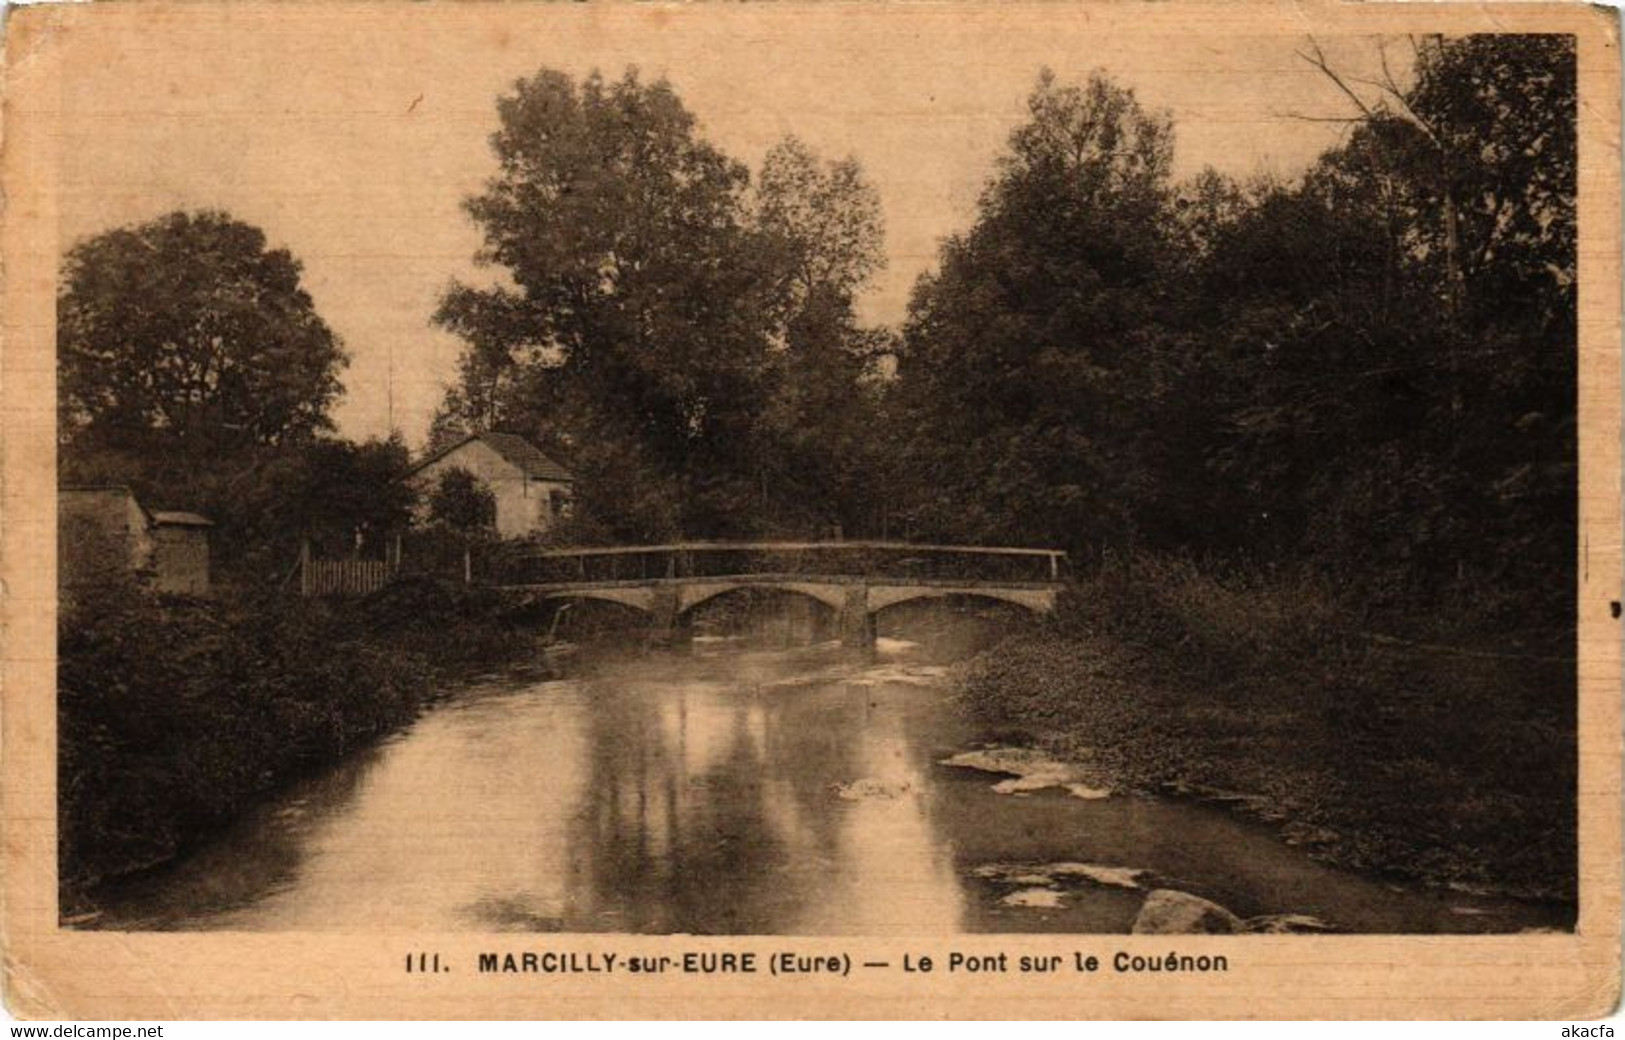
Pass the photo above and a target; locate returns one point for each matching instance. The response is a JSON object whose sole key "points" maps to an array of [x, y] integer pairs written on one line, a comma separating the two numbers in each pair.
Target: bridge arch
{"points": [[641, 600], [693, 595]]}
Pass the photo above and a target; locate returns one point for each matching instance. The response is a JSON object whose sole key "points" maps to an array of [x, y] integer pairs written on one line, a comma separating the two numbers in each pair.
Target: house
{"points": [[103, 525], [532, 491]]}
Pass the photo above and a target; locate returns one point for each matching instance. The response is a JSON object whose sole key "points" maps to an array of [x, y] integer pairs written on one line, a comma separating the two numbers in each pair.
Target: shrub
{"points": [[1419, 756], [174, 714], [462, 502]]}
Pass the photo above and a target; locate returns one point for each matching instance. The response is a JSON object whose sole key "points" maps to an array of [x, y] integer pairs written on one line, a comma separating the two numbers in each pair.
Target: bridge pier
{"points": [[856, 624]]}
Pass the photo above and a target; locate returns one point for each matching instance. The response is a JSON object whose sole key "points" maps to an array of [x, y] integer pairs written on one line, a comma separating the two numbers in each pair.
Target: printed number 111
{"points": [[423, 963]]}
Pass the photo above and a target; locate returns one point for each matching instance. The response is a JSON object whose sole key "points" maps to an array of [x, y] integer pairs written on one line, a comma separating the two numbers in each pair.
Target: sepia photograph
{"points": [[666, 474]]}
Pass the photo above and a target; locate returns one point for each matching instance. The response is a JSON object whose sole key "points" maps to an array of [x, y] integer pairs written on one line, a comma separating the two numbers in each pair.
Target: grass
{"points": [[1420, 748]]}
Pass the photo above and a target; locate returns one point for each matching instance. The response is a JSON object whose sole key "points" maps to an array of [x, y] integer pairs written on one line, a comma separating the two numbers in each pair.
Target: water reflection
{"points": [[259, 856], [713, 807], [890, 871]]}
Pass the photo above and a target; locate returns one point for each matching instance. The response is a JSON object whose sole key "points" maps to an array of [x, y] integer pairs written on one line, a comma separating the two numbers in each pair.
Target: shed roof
{"points": [[157, 517], [515, 449]]}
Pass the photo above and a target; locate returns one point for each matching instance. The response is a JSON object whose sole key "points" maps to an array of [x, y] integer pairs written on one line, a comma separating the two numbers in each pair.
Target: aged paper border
{"points": [[51, 973]]}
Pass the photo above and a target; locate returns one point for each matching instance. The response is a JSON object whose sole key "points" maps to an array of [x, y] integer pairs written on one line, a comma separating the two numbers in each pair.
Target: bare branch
{"points": [[1345, 120], [1390, 84], [1319, 61], [1363, 81]]}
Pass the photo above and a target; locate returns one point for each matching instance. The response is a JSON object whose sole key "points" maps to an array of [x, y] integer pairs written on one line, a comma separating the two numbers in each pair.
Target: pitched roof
{"points": [[70, 492], [521, 453], [156, 516]]}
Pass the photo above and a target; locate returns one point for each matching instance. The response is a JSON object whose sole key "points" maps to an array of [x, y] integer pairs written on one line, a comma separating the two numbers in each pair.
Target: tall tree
{"points": [[632, 339], [188, 335], [822, 237], [1032, 355], [689, 345], [823, 218], [1399, 336]]}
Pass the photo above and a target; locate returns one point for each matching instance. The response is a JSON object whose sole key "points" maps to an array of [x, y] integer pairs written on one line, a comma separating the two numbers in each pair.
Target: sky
{"points": [[352, 141]]}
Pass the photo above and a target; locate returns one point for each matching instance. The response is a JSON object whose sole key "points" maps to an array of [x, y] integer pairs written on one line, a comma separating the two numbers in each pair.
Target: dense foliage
{"points": [[345, 497], [680, 342], [174, 714], [1371, 368], [186, 334], [459, 501]]}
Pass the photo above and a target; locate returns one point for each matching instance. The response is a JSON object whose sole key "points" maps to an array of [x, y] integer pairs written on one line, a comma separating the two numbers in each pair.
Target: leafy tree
{"points": [[1398, 334], [347, 496], [823, 235], [691, 347], [824, 220], [192, 366], [1032, 357], [462, 502], [187, 335]]}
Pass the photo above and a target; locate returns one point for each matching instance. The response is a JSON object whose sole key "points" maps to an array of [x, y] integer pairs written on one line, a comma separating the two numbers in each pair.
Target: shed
{"points": [[101, 526], [180, 559]]}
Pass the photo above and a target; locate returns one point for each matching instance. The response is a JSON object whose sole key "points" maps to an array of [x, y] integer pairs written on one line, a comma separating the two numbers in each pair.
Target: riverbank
{"points": [[175, 714], [1413, 755], [742, 788]]}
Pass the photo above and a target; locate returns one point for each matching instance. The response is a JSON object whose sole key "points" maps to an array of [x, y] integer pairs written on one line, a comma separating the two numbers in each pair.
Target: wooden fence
{"points": [[360, 577]]}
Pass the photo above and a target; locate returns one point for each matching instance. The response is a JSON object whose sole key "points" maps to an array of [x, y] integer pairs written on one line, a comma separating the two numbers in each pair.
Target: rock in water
{"points": [[1167, 912], [1033, 771], [1039, 898], [870, 788]]}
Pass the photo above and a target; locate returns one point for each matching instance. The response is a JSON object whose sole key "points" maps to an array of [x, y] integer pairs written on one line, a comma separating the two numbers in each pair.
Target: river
{"points": [[736, 790]]}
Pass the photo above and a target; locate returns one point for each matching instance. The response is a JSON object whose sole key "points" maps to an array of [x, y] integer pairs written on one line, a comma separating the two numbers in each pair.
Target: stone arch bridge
{"points": [[856, 580]]}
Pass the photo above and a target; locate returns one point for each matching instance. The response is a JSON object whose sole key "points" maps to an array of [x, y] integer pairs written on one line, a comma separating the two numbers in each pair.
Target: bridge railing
{"points": [[893, 560]]}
